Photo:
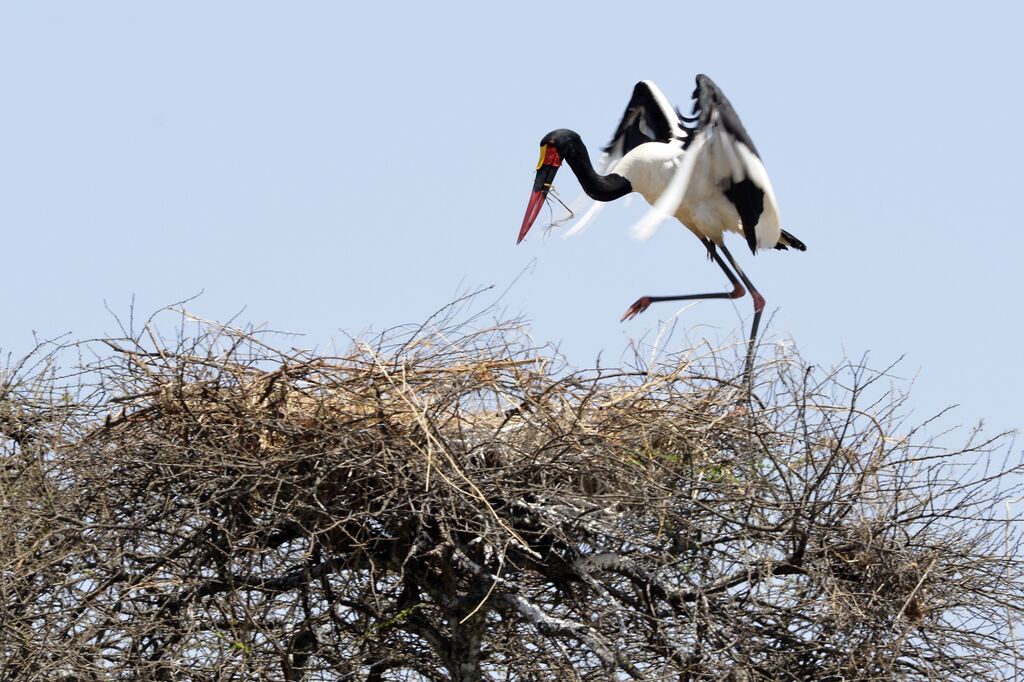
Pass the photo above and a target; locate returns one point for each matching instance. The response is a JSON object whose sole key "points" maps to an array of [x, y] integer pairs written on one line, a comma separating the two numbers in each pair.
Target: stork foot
{"points": [[642, 304]]}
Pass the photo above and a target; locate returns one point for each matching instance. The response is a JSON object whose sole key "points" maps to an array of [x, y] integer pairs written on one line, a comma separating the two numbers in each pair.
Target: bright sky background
{"points": [[331, 167]]}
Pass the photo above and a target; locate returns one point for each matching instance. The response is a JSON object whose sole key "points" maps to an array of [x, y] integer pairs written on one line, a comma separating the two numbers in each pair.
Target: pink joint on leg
{"points": [[758, 301]]}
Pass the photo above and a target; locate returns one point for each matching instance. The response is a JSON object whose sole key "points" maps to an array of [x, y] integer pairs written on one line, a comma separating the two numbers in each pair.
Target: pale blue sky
{"points": [[337, 166]]}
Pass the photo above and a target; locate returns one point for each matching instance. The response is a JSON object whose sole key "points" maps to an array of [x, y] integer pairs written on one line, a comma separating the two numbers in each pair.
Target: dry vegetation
{"points": [[451, 502]]}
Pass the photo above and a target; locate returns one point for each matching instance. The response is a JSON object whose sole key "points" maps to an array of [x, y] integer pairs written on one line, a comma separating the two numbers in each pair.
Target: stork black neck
{"points": [[598, 187]]}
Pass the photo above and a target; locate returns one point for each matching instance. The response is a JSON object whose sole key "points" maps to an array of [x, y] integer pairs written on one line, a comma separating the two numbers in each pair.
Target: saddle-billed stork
{"points": [[703, 169]]}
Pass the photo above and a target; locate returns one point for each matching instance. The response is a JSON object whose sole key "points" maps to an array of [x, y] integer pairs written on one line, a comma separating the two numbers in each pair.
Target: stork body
{"points": [[704, 210], [704, 170]]}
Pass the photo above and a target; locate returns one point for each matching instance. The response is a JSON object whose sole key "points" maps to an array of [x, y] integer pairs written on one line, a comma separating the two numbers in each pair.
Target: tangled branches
{"points": [[450, 502]]}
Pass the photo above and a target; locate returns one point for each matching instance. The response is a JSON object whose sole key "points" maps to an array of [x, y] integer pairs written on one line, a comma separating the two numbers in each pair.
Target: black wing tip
{"points": [[703, 81], [643, 86], [789, 240], [646, 109]]}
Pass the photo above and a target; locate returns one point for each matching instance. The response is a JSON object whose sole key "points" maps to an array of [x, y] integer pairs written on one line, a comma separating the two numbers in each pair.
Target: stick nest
{"points": [[449, 501]]}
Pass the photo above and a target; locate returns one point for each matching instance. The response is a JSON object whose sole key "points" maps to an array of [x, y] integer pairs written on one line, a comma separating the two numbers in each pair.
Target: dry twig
{"points": [[446, 503]]}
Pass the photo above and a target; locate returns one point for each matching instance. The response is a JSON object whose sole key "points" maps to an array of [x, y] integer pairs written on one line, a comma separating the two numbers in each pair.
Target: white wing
{"points": [[649, 117], [670, 199], [718, 145]]}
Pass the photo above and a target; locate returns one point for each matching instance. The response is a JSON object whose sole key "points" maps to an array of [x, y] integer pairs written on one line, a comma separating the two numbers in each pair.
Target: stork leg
{"points": [[644, 302], [738, 291], [758, 308]]}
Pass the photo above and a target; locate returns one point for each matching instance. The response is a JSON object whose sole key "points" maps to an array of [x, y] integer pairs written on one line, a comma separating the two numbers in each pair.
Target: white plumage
{"points": [[704, 170], [682, 176]]}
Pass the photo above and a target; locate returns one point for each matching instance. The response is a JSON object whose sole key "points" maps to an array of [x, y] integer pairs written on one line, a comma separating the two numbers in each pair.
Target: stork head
{"points": [[553, 148]]}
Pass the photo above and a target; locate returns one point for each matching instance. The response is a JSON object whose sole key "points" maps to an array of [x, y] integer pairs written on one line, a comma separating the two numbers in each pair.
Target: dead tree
{"points": [[450, 503]]}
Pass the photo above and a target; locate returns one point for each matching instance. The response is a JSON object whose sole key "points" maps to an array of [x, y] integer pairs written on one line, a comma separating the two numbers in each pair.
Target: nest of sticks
{"points": [[450, 501]]}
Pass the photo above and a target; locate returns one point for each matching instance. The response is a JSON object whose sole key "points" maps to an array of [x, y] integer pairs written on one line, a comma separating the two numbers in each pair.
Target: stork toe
{"points": [[641, 305]]}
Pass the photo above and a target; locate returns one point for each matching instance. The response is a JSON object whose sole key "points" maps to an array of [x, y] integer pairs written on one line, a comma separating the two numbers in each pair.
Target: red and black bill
{"points": [[548, 165]]}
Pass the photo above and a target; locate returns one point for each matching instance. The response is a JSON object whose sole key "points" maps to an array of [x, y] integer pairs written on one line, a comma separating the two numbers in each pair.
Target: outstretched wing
{"points": [[735, 165], [711, 108], [648, 118]]}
